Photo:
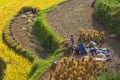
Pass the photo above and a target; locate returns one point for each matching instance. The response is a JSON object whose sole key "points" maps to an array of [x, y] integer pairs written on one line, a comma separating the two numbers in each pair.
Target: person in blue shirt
{"points": [[93, 49], [82, 49]]}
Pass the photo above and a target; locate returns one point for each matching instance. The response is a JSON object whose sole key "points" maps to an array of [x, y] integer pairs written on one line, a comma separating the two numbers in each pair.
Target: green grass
{"points": [[108, 13], [110, 76], [44, 33]]}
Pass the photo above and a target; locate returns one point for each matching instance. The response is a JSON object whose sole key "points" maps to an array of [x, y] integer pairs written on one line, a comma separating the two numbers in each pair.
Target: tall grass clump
{"points": [[44, 33], [108, 13]]}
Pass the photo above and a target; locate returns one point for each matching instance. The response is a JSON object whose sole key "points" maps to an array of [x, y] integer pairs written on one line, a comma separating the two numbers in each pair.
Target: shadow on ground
{"points": [[2, 69]]}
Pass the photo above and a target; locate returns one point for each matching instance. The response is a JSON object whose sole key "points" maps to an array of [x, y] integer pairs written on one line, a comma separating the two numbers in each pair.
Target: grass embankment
{"points": [[44, 33], [17, 67], [49, 40], [108, 13]]}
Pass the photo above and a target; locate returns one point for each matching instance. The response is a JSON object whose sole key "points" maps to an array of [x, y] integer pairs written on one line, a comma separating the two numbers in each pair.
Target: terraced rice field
{"points": [[68, 18], [17, 66]]}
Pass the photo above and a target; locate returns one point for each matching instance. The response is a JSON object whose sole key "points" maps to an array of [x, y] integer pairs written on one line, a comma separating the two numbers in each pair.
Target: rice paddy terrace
{"points": [[17, 67], [66, 19]]}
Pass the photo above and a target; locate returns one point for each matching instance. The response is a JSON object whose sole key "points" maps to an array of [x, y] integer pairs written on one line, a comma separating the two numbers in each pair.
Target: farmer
{"points": [[93, 48], [53, 66], [82, 49], [72, 39], [33, 10], [70, 44]]}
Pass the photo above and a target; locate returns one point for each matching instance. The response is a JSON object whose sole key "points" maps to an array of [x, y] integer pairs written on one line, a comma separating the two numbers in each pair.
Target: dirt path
{"points": [[68, 18]]}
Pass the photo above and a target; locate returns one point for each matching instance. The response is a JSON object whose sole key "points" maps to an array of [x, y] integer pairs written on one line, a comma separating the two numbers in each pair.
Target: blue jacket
{"points": [[82, 49]]}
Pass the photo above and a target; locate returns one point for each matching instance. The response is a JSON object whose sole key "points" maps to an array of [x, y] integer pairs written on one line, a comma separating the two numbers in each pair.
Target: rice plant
{"points": [[81, 69]]}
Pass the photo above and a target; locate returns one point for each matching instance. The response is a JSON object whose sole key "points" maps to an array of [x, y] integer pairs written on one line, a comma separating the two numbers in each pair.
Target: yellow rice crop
{"points": [[4, 2], [17, 66]]}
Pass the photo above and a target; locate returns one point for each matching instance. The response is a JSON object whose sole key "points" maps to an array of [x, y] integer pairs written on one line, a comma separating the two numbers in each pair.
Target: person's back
{"points": [[69, 44], [92, 44], [82, 49], [53, 66], [72, 39], [93, 48]]}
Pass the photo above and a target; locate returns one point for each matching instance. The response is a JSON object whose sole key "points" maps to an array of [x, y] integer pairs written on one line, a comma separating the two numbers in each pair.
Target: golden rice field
{"points": [[17, 66]]}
